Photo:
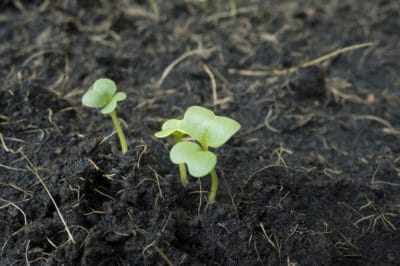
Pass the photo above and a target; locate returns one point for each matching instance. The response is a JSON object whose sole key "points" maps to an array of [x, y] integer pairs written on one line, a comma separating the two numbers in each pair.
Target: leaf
{"points": [[220, 130], [109, 107], [103, 95], [199, 162], [196, 122], [93, 99], [170, 127], [106, 87], [202, 125], [207, 128], [119, 96]]}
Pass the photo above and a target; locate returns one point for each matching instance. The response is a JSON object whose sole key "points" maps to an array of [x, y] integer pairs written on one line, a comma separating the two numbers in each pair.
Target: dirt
{"points": [[312, 177]]}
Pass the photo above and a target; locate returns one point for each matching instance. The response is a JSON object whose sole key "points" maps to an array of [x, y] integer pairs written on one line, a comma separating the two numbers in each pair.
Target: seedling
{"points": [[103, 95], [172, 127], [204, 4], [207, 130], [233, 8], [154, 6]]}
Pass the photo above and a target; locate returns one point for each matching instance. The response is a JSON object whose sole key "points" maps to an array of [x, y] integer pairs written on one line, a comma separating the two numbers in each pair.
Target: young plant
{"points": [[204, 4], [207, 130], [154, 6], [172, 128], [103, 95], [233, 8]]}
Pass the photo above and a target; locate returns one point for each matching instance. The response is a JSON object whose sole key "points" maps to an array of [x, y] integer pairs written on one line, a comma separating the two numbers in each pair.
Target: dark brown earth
{"points": [[312, 178]]}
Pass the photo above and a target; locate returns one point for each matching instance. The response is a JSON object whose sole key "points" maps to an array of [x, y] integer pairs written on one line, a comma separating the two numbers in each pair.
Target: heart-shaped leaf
{"points": [[94, 99], [207, 128], [199, 162], [220, 130], [119, 96], [105, 86], [170, 127], [103, 95]]}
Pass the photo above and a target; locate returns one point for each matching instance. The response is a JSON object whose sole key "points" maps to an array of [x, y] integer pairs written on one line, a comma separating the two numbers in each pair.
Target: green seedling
{"points": [[154, 6], [172, 128], [233, 8], [103, 95], [208, 131], [204, 4]]}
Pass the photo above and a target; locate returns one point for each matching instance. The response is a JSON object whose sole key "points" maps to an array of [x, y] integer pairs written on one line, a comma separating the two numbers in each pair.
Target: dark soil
{"points": [[312, 178]]}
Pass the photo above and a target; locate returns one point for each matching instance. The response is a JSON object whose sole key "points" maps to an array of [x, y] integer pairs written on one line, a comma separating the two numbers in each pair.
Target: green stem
{"points": [[153, 6], [204, 4], [182, 167], [183, 173], [233, 8], [214, 186], [214, 178], [120, 133]]}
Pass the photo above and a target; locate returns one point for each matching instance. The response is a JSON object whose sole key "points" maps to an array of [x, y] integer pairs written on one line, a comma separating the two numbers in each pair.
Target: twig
{"points": [[162, 254], [26, 253], [34, 171], [168, 69], [228, 14], [15, 206], [275, 245], [261, 73], [389, 129], [156, 175], [213, 84]]}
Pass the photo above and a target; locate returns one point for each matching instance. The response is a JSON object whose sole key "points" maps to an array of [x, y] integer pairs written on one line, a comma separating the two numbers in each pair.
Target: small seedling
{"points": [[154, 6], [172, 127], [103, 95], [208, 130], [204, 4], [233, 8]]}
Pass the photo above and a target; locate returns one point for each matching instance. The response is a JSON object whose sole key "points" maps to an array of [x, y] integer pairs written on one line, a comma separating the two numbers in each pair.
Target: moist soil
{"points": [[312, 177]]}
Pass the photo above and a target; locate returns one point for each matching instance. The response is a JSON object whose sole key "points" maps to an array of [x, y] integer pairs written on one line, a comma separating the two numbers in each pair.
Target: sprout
{"points": [[209, 130], [204, 4], [103, 95], [154, 6], [173, 128], [233, 8]]}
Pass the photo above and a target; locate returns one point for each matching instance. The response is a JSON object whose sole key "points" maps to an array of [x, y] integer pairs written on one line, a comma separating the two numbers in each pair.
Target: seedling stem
{"points": [[183, 174], [214, 186], [154, 6], [182, 167], [120, 133], [233, 8], [214, 179]]}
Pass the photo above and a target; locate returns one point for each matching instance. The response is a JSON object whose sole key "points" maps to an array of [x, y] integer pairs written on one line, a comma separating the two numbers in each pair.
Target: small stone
{"points": [[258, 185], [58, 151]]}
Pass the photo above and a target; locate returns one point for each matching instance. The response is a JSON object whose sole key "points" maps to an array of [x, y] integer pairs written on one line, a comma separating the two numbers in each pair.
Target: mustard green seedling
{"points": [[103, 95], [233, 8], [208, 131], [204, 4], [172, 128], [154, 6]]}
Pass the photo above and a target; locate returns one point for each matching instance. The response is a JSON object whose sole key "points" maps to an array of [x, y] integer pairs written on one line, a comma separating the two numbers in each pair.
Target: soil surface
{"points": [[312, 177]]}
